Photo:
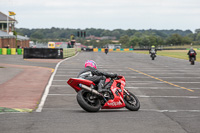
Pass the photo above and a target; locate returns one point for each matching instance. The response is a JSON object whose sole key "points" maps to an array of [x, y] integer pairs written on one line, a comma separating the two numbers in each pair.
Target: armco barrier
{"points": [[43, 53], [68, 52]]}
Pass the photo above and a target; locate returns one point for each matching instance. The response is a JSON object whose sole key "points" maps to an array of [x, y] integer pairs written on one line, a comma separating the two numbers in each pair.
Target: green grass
{"points": [[181, 54], [1, 67]]}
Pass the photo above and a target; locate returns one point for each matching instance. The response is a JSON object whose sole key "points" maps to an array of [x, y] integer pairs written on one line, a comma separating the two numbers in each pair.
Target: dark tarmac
{"points": [[168, 90]]}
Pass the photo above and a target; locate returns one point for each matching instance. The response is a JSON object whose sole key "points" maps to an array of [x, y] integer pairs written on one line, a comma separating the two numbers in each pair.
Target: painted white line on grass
{"points": [[39, 109]]}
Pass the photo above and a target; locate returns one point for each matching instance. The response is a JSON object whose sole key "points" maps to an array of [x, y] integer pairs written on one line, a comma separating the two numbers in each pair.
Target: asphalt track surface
{"points": [[168, 90]]}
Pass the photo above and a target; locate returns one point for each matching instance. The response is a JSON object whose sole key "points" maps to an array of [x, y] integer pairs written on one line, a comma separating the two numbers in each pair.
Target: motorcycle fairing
{"points": [[118, 101]]}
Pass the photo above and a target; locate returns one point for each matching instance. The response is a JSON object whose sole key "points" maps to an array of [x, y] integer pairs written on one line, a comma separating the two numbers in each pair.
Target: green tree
{"points": [[124, 40], [37, 35], [187, 40], [144, 43], [175, 39], [134, 41]]}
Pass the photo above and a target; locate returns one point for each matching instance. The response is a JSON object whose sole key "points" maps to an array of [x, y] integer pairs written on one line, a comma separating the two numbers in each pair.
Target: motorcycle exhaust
{"points": [[90, 89]]}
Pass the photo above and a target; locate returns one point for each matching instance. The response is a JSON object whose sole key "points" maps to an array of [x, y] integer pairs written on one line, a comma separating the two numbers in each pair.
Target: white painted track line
{"points": [[40, 106]]}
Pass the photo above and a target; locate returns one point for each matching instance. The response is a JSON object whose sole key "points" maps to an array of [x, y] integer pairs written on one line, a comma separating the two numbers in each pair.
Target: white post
{"points": [[7, 24]]}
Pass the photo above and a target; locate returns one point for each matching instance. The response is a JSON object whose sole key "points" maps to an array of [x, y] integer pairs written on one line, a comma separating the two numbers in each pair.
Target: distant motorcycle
{"points": [[115, 97], [106, 51], [153, 56], [192, 58]]}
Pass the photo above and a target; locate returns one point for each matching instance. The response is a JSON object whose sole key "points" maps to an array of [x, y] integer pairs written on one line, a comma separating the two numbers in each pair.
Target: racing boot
{"points": [[101, 86]]}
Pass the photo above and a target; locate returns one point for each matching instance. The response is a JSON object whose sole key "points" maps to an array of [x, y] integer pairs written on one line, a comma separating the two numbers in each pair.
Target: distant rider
{"points": [[91, 73], [152, 50], [106, 50], [192, 53]]}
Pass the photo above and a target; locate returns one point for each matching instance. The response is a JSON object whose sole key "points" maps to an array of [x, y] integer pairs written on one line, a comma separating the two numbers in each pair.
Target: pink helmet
{"points": [[90, 63]]}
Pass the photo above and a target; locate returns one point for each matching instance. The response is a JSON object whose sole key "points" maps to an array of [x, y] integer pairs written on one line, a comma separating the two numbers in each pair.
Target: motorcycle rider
{"points": [[192, 53], [106, 50], [152, 50], [91, 73]]}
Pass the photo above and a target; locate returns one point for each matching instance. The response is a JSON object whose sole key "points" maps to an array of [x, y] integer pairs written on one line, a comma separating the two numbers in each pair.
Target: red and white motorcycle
{"points": [[116, 97]]}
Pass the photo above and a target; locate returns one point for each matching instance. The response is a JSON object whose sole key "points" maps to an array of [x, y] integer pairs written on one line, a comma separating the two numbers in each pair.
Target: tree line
{"points": [[128, 38]]}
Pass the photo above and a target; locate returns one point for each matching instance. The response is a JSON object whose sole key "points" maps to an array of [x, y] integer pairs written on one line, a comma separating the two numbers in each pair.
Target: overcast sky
{"points": [[105, 14]]}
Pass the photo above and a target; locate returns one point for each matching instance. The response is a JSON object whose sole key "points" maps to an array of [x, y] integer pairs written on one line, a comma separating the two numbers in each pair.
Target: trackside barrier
{"points": [[118, 49], [13, 51], [95, 49], [4, 51], [43, 53], [8, 51], [19, 51], [111, 50]]}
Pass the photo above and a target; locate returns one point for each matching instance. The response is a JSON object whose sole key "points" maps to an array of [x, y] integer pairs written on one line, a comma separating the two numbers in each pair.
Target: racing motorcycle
{"points": [[116, 96], [106, 50], [153, 56], [192, 58], [152, 53]]}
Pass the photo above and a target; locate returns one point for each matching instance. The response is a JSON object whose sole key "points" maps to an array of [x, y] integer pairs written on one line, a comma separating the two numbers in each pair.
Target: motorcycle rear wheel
{"points": [[192, 61], [87, 101], [132, 102]]}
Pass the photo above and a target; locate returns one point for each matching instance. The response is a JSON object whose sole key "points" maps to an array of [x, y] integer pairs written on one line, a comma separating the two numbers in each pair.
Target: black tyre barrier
{"points": [[43, 53]]}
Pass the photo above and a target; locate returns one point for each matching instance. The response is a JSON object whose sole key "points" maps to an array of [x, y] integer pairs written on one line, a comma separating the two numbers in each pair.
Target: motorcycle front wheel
{"points": [[132, 102], [88, 101]]}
